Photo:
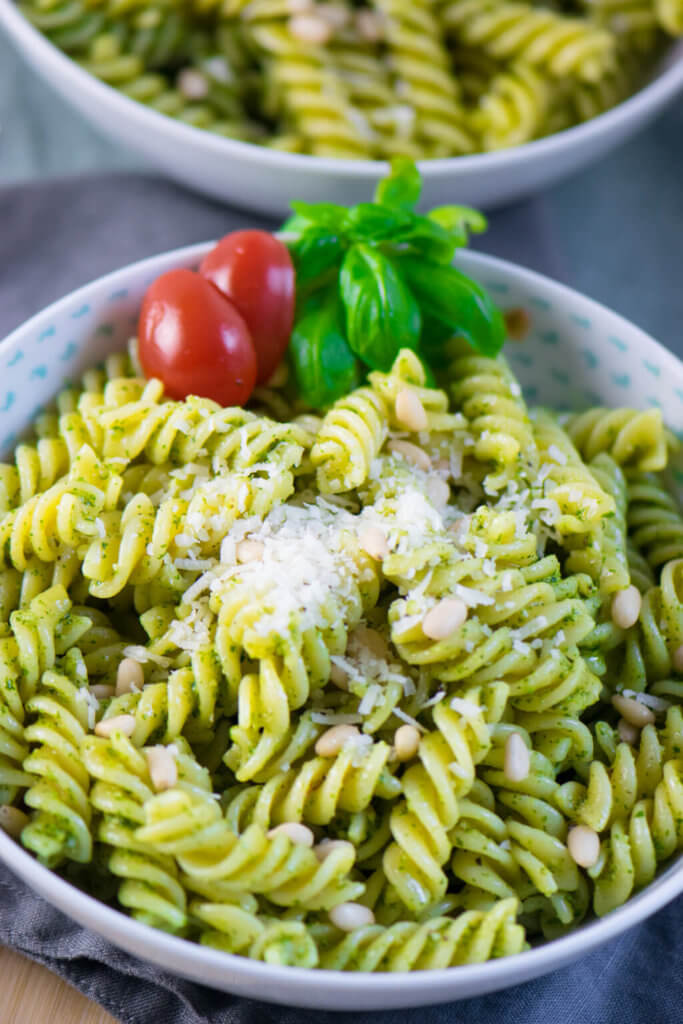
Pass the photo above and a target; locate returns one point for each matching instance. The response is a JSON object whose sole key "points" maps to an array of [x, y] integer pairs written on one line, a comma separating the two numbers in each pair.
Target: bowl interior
{"points": [[577, 353]]}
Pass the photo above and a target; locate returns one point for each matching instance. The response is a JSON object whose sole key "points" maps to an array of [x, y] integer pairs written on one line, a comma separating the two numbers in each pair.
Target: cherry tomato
{"points": [[255, 271], [194, 339]]}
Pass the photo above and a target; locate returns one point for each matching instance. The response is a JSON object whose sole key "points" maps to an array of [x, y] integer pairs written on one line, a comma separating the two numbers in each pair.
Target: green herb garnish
{"points": [[378, 277]]}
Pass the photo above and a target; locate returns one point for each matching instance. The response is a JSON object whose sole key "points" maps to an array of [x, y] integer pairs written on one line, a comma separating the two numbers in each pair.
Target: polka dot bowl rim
{"points": [[67, 336]]}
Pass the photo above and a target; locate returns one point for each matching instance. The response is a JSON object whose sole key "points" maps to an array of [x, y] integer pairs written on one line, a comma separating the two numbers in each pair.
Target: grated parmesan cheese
{"points": [[142, 655], [408, 719], [466, 708], [648, 699], [321, 717]]}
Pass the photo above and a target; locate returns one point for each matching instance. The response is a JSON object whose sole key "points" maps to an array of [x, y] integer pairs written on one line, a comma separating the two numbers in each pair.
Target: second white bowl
{"points": [[265, 180]]}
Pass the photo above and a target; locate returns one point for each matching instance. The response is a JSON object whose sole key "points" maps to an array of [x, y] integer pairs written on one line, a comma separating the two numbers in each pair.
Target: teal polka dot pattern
{"points": [[576, 354]]}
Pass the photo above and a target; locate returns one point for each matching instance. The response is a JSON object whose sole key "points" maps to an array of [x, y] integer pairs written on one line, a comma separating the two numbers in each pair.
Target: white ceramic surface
{"points": [[265, 180], [577, 353]]}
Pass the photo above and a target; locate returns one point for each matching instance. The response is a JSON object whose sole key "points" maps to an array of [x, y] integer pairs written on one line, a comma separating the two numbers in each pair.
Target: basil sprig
{"points": [[377, 277]]}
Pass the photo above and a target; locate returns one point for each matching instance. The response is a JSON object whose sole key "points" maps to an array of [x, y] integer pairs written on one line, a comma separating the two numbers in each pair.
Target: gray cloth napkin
{"points": [[57, 236]]}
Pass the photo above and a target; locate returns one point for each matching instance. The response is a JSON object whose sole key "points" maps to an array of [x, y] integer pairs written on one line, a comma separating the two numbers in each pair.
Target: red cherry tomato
{"points": [[255, 271], [194, 339]]}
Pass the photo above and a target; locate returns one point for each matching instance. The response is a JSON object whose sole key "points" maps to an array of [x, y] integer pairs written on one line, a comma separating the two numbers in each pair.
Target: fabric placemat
{"points": [[56, 236]]}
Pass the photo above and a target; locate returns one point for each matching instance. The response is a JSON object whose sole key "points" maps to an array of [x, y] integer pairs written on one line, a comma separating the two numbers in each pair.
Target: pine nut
{"points": [[410, 412], [334, 14], [406, 742], [339, 677], [677, 659], [373, 541], [627, 732], [633, 711], [119, 723], [517, 323], [444, 618], [371, 640], [309, 28], [192, 84], [583, 844], [438, 491], [249, 551], [332, 741], [517, 760], [163, 769], [218, 68], [369, 26], [102, 691], [12, 820], [327, 846], [349, 916], [412, 452], [129, 676], [626, 607], [296, 833]]}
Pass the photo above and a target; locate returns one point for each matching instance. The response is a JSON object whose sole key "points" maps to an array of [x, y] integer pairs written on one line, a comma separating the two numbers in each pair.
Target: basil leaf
{"points": [[429, 238], [433, 340], [374, 222], [323, 365], [459, 221], [316, 251], [326, 215], [293, 228], [382, 315], [456, 301], [402, 186]]}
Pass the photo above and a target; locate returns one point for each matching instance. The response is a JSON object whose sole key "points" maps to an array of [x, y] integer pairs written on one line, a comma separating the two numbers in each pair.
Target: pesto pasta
{"points": [[391, 685], [368, 79]]}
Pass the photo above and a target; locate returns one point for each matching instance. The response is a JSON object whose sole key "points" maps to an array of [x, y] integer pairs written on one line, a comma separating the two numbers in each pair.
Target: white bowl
{"points": [[265, 180], [577, 352]]}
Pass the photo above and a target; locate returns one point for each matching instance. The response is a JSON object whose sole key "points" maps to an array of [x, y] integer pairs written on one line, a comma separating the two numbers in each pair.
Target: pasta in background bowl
{"points": [[195, 128], [576, 354]]}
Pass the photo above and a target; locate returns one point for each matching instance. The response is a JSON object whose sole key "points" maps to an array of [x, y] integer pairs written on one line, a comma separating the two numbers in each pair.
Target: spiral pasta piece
{"points": [[636, 844], [541, 37], [420, 65], [604, 553], [235, 928], [13, 745], [149, 887], [612, 791], [491, 400], [650, 644], [318, 790], [655, 523], [573, 502], [350, 437], [190, 827], [470, 937], [513, 108], [670, 16], [60, 825], [315, 99], [635, 439], [422, 822], [43, 631]]}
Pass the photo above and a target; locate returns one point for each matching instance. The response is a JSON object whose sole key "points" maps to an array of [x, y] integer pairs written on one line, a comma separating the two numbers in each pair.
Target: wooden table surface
{"points": [[33, 994]]}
